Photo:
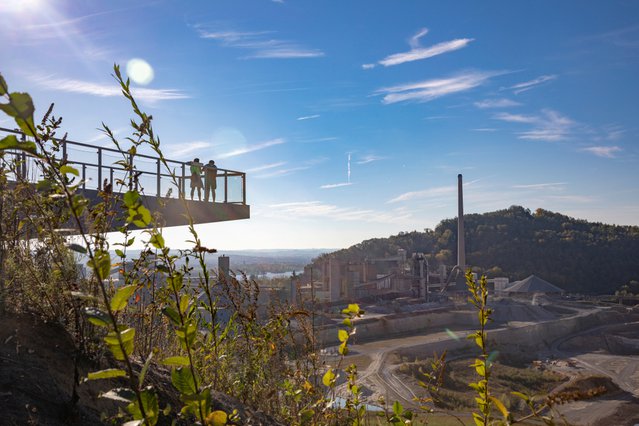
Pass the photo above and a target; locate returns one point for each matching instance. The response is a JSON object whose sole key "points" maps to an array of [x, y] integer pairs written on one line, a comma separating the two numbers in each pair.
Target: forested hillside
{"points": [[576, 255]]}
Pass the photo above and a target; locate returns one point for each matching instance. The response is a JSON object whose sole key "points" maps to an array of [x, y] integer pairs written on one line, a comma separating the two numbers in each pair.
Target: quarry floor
{"points": [[575, 354]]}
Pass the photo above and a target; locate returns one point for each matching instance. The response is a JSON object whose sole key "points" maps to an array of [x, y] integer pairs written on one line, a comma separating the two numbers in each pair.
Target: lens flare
{"points": [[139, 71]]}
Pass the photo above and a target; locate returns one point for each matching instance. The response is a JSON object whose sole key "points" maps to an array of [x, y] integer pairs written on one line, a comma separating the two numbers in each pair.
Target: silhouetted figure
{"points": [[210, 180], [196, 178]]}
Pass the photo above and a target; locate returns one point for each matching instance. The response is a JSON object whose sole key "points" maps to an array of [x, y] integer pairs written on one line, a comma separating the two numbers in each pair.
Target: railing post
{"points": [[111, 176], [23, 165], [64, 151], [100, 169], [183, 183], [244, 188], [158, 178], [226, 186], [84, 176]]}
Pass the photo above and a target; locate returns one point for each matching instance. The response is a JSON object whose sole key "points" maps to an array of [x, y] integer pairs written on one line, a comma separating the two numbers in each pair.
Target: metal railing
{"points": [[148, 175]]}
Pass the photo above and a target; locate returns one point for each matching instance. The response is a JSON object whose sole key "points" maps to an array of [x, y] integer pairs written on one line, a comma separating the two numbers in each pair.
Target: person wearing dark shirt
{"points": [[210, 180], [196, 178]]}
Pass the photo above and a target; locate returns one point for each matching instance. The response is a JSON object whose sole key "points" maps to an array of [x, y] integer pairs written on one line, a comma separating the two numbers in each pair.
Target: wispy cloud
{"points": [[496, 103], [186, 149], [427, 90], [426, 193], [555, 186], [484, 129], [336, 185], [308, 117], [573, 198], [314, 209], [527, 85], [603, 151], [417, 52], [627, 37], [252, 148], [548, 126], [316, 140], [370, 158], [106, 90], [516, 118], [266, 167], [261, 44], [282, 172]]}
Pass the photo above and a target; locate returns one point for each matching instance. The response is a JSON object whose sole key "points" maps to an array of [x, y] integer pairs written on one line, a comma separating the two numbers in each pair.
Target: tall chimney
{"points": [[461, 246]]}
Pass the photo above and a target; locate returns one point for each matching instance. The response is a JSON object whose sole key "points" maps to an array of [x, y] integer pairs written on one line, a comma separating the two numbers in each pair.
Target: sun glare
{"points": [[139, 71], [20, 6]]}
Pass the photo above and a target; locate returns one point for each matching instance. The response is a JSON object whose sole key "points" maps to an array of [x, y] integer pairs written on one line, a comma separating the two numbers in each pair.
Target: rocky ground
{"points": [[37, 381]]}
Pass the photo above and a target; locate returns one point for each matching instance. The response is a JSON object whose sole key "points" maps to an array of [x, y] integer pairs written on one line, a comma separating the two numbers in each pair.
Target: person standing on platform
{"points": [[210, 180], [196, 178]]}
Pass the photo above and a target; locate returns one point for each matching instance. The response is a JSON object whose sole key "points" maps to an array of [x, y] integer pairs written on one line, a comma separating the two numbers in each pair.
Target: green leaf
{"points": [[184, 303], [329, 378], [183, 381], [176, 361], [68, 169], [11, 142], [397, 408], [175, 281], [187, 334], [521, 395], [78, 204], [145, 369], [348, 322], [172, 314], [4, 89], [157, 240], [109, 373], [343, 349], [97, 317], [342, 335], [131, 199], [151, 407], [127, 342], [119, 253], [44, 185], [145, 214], [101, 264], [121, 297], [77, 248], [21, 108]]}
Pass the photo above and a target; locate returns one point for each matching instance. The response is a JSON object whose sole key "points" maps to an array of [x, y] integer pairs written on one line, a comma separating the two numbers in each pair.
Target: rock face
{"points": [[37, 376]]}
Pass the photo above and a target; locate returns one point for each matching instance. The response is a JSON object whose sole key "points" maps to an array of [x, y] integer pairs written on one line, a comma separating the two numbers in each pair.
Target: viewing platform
{"points": [[164, 191]]}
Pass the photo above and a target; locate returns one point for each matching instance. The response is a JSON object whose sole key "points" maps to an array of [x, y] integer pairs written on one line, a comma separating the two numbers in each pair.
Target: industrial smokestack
{"points": [[461, 246]]}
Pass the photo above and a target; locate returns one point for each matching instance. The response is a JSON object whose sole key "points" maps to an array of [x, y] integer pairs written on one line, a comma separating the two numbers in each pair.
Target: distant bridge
{"points": [[159, 193]]}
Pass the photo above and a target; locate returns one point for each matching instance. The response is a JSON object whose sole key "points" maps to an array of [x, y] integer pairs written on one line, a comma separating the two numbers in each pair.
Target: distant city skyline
{"points": [[353, 119]]}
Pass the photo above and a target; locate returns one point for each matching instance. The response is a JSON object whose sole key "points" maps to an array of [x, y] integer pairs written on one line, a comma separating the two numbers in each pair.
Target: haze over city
{"points": [[353, 119]]}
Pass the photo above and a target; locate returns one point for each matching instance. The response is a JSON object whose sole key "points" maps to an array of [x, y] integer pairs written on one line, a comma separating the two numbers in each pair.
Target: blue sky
{"points": [[353, 119]]}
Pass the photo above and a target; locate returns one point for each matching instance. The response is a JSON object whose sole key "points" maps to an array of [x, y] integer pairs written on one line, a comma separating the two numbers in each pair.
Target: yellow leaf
{"points": [[217, 418], [500, 406]]}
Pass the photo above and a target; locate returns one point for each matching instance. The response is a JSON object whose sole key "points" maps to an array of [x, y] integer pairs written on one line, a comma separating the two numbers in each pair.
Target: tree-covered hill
{"points": [[574, 254]]}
